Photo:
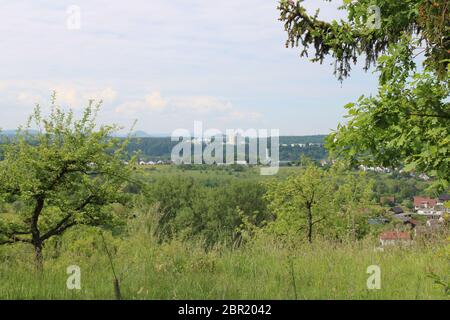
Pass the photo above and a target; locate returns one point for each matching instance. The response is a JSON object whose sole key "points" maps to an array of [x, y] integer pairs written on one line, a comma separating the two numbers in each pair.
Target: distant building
{"points": [[443, 198], [389, 238], [396, 210], [424, 202]]}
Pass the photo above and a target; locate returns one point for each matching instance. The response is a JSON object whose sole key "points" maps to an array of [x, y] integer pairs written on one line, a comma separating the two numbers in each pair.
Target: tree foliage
{"points": [[65, 175], [406, 125], [333, 203], [300, 202], [346, 41]]}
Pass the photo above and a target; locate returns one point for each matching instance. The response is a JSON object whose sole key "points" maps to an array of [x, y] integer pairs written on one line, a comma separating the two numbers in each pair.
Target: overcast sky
{"points": [[167, 63]]}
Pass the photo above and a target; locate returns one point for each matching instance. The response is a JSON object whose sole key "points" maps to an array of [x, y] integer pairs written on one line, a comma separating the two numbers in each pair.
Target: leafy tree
{"points": [[407, 123], [299, 201], [66, 174], [210, 210], [353, 201], [369, 35]]}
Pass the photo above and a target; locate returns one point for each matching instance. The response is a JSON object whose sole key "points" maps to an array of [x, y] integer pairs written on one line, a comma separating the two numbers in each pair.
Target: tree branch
{"points": [[443, 116], [63, 225], [317, 221]]}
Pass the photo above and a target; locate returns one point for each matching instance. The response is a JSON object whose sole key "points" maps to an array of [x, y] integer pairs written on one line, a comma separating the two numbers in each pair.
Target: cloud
{"points": [[150, 102], [189, 108], [26, 93], [244, 115], [155, 101], [211, 59], [29, 99], [201, 104], [131, 108], [106, 95]]}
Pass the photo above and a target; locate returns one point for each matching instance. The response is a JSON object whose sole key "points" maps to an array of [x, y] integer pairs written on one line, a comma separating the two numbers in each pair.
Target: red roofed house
{"points": [[395, 238], [424, 203]]}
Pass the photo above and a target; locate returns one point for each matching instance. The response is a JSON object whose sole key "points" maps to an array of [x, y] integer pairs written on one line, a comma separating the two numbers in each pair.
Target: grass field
{"points": [[264, 269]]}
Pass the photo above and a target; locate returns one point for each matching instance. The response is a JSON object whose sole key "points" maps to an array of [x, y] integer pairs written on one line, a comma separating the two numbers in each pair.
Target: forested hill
{"points": [[291, 147], [160, 148]]}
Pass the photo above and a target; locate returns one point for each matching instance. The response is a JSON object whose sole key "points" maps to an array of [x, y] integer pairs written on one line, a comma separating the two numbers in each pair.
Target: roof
{"points": [[418, 201], [397, 210], [395, 235], [444, 197]]}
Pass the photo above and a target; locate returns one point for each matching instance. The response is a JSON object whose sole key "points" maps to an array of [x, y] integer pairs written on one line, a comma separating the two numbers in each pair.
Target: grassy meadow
{"points": [[262, 270], [263, 267]]}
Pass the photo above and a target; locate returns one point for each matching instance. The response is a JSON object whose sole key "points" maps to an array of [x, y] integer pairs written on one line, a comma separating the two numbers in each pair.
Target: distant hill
{"points": [[10, 133], [159, 147], [143, 134], [302, 139]]}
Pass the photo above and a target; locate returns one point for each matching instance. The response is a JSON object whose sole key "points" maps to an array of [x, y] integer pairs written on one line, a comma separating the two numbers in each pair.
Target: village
{"points": [[425, 220]]}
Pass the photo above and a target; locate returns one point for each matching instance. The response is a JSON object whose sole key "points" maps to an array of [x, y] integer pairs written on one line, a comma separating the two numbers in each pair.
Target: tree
{"points": [[407, 123], [65, 175], [373, 26], [298, 202], [353, 201]]}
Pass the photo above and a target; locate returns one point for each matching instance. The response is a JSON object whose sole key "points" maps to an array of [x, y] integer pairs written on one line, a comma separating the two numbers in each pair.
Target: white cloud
{"points": [[66, 95], [106, 95], [26, 93], [202, 104], [213, 57], [244, 115], [28, 99], [155, 101], [131, 108]]}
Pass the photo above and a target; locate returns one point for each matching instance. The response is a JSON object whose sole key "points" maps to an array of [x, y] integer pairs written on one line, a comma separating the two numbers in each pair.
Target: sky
{"points": [[168, 63]]}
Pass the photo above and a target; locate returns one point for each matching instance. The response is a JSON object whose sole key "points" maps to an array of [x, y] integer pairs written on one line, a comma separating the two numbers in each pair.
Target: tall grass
{"points": [[267, 268]]}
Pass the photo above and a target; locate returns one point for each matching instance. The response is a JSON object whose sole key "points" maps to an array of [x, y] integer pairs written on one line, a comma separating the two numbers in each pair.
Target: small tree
{"points": [[65, 175], [352, 200], [298, 201]]}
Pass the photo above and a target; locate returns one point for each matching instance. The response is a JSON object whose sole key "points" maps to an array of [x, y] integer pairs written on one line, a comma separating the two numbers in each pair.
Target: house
{"points": [[396, 210], [424, 202], [389, 238], [443, 198]]}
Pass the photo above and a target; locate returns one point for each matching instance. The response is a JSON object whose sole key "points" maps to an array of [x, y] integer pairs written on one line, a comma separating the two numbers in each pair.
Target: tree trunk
{"points": [[117, 293], [35, 234], [38, 255], [310, 224]]}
